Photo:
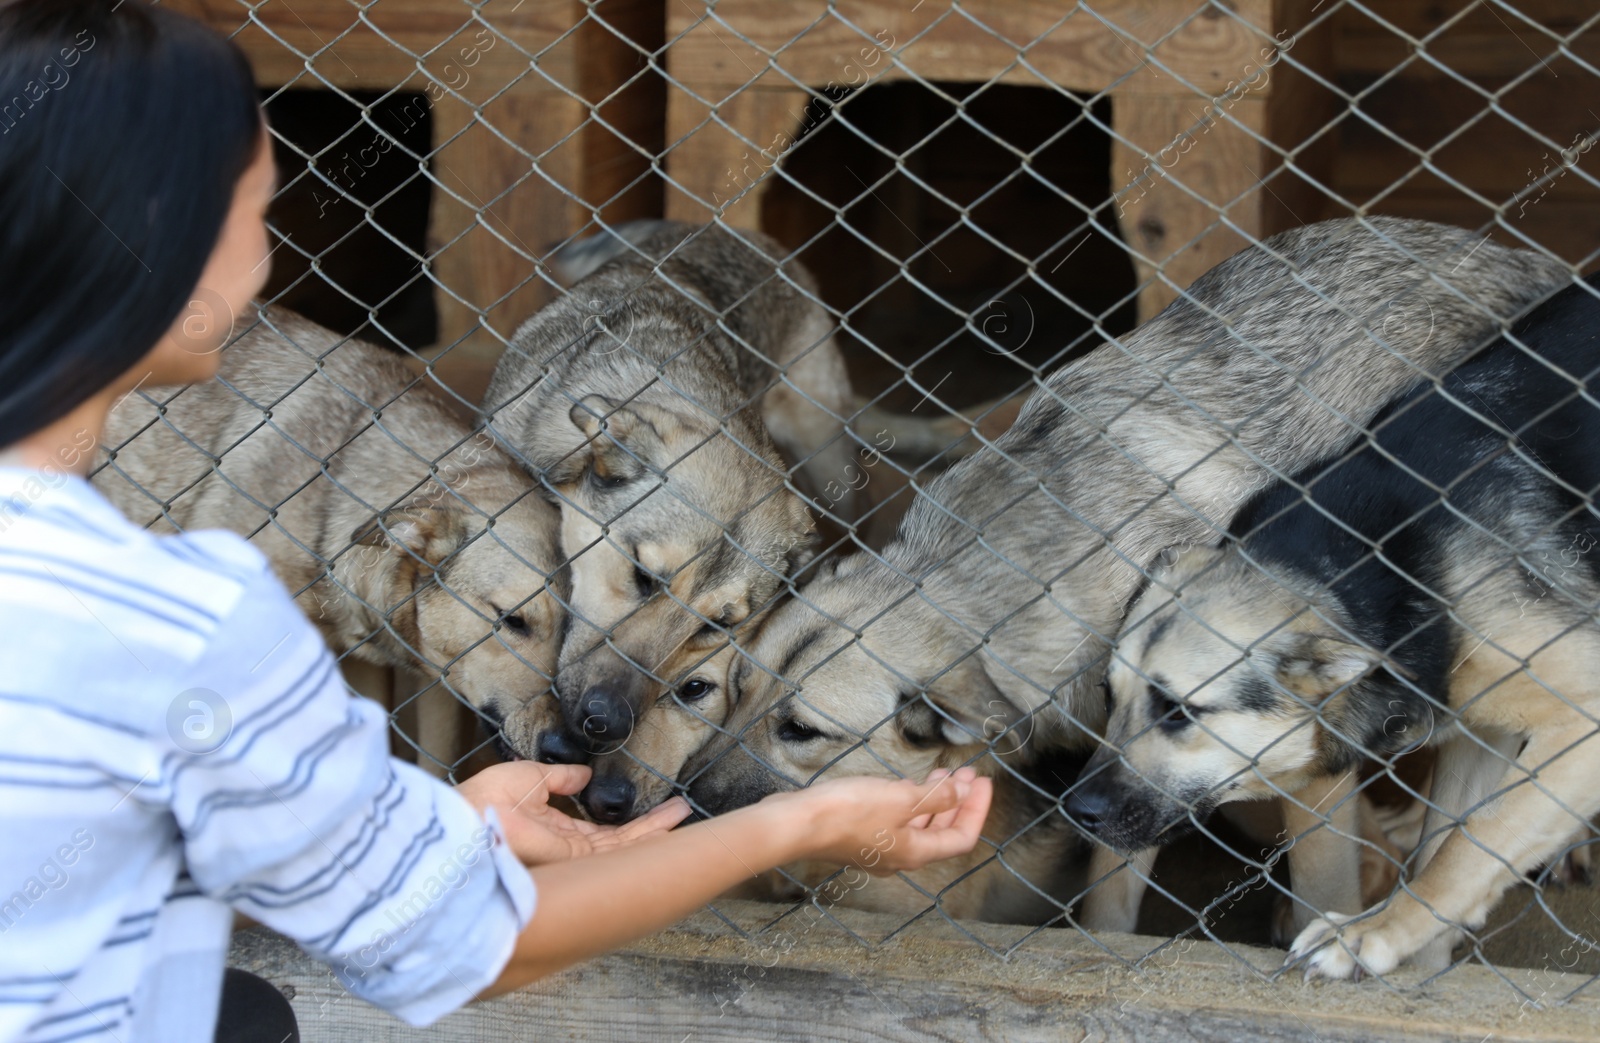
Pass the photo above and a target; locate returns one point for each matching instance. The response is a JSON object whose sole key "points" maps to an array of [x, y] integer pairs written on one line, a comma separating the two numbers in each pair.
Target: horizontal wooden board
{"points": [[1487, 41], [1166, 47], [704, 980], [378, 46]]}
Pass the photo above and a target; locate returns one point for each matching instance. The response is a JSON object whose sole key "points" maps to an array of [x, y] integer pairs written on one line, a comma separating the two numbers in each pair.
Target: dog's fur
{"points": [[650, 398], [1299, 649], [406, 540], [989, 617]]}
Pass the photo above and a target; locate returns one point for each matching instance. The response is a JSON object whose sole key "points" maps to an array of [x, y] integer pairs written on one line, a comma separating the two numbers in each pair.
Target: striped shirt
{"points": [[175, 744]]}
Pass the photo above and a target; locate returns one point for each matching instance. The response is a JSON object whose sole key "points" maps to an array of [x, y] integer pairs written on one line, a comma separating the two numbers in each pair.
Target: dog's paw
{"points": [[1339, 947]]}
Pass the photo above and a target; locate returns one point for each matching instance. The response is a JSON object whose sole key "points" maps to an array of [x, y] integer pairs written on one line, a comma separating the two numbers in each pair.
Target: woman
{"points": [[175, 742]]}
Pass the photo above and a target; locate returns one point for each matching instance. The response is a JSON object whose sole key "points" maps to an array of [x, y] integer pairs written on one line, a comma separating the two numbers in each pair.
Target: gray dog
{"points": [[988, 619], [408, 541], [653, 399]]}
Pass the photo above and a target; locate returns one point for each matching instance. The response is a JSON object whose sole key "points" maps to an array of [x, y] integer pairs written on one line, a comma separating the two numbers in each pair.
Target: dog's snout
{"points": [[1089, 807], [606, 717], [608, 799], [555, 748]]}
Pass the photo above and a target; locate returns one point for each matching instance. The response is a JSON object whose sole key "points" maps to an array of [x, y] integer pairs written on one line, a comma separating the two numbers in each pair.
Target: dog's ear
{"points": [[1317, 665], [620, 439], [961, 708], [432, 532]]}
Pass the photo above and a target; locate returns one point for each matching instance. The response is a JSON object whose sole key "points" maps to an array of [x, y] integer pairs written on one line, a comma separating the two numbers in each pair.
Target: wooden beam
{"points": [[1161, 47], [703, 981]]}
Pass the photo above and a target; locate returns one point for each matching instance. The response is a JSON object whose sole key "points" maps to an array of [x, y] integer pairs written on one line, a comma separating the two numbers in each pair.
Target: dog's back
{"points": [[710, 309], [248, 451], [302, 444]]}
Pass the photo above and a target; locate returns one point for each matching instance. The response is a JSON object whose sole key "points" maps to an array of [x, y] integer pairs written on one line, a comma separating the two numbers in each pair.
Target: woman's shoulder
{"points": [[69, 554]]}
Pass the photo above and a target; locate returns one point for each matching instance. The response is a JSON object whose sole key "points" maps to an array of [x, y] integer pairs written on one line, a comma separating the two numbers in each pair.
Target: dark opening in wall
{"points": [[1026, 166], [357, 219]]}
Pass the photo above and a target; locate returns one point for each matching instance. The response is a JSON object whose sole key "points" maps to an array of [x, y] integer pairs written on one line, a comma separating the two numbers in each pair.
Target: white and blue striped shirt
{"points": [[176, 743]]}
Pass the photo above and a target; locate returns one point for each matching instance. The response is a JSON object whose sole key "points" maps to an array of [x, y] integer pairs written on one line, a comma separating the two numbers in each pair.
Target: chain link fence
{"points": [[882, 454]]}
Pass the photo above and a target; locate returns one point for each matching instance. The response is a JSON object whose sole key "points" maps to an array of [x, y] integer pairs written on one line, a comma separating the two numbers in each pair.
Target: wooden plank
{"points": [[1162, 157], [714, 155], [496, 209], [1489, 42], [702, 980], [377, 46], [976, 41], [1494, 155]]}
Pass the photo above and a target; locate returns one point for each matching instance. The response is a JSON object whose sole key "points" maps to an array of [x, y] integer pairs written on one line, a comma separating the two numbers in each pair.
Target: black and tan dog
{"points": [[1438, 585], [991, 614]]}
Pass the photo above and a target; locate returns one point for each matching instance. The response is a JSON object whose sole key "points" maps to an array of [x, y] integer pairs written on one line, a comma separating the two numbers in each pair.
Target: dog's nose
{"points": [[608, 799], [1090, 809], [555, 748], [606, 718]]}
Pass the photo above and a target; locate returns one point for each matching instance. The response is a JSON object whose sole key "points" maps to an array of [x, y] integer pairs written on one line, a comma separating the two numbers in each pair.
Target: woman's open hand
{"points": [[520, 792], [886, 826]]}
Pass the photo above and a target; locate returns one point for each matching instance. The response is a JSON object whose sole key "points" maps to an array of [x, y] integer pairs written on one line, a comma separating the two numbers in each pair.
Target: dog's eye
{"points": [[695, 689], [1169, 714], [1111, 702], [606, 482], [642, 580], [795, 730], [516, 622]]}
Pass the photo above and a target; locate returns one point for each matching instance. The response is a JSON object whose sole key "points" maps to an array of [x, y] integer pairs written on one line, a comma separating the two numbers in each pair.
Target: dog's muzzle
{"points": [[605, 716], [556, 747], [609, 799]]}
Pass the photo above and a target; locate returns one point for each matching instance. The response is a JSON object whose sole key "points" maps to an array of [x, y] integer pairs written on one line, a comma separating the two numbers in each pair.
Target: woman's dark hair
{"points": [[124, 130]]}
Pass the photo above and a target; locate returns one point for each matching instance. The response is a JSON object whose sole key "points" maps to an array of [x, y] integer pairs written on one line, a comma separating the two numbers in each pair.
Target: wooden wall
{"points": [[1410, 157]]}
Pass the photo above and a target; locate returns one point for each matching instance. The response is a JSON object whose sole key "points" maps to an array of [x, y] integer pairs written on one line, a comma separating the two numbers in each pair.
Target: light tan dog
{"points": [[407, 540]]}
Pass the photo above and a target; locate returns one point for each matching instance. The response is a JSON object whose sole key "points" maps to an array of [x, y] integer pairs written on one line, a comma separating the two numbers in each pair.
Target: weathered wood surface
{"points": [[1199, 47], [702, 981]]}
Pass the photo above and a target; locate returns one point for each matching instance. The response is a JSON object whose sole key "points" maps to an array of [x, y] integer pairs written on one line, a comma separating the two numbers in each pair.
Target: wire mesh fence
{"points": [[1059, 389]]}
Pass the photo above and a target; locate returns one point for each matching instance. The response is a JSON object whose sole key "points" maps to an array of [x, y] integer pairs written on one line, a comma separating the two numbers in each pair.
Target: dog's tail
{"points": [[578, 259], [948, 436]]}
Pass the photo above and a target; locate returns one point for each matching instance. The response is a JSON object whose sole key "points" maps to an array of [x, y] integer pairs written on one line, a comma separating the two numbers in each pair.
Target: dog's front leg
{"points": [[1548, 793], [1466, 771], [1321, 826], [1116, 888]]}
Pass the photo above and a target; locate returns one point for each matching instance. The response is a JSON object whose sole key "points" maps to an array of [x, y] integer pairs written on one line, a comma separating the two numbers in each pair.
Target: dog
{"points": [[1433, 586], [407, 539], [641, 771], [651, 399], [987, 621]]}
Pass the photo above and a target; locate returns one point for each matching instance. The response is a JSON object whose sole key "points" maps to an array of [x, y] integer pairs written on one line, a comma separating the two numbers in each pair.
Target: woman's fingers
{"points": [[658, 819], [959, 835], [564, 779], [937, 794]]}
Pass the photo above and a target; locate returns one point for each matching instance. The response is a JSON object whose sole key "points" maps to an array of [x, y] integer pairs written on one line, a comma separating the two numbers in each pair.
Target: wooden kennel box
{"points": [[541, 117], [739, 73]]}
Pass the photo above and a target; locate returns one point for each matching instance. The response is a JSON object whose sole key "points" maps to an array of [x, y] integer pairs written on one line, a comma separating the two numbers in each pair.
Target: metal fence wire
{"points": [[883, 455]]}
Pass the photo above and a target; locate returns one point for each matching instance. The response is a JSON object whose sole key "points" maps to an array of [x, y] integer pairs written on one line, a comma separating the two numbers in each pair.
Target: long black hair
{"points": [[123, 131]]}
